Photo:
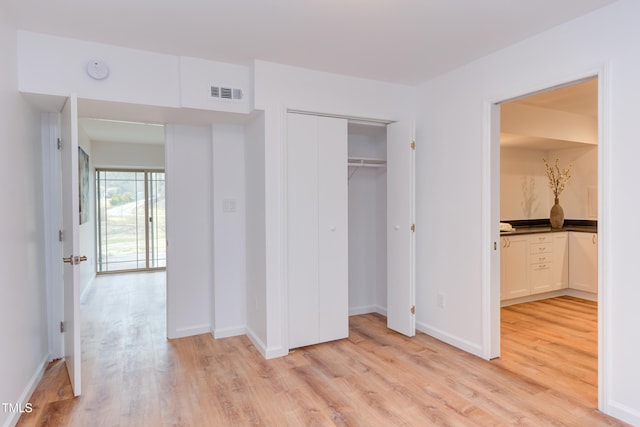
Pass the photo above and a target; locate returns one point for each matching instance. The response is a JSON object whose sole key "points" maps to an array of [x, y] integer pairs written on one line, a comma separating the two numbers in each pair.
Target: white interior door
{"points": [[317, 235], [302, 229], [70, 241], [400, 228], [333, 235]]}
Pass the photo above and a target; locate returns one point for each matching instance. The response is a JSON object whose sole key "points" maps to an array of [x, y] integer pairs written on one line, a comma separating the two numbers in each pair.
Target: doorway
{"points": [[547, 138], [130, 220]]}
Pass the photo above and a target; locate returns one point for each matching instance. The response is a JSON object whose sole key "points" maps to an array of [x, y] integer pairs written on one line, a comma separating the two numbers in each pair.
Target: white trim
{"points": [[284, 254], [191, 331], [453, 340], [605, 282], [624, 413], [381, 310], [491, 234], [266, 352], [228, 332], [169, 209], [350, 119], [363, 309], [85, 291], [13, 418], [52, 224]]}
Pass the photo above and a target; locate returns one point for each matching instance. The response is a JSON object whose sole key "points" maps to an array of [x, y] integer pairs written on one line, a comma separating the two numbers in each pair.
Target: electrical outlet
{"points": [[440, 300]]}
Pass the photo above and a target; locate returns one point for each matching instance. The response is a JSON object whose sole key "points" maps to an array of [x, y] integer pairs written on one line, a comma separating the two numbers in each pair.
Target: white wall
{"points": [[524, 187], [87, 238], [189, 186], [229, 231], [127, 155], [256, 257], [23, 307], [198, 75], [136, 76], [453, 121], [575, 199]]}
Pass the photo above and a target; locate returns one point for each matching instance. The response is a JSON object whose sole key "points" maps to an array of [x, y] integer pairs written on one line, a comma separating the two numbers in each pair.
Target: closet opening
{"points": [[367, 218], [349, 247]]}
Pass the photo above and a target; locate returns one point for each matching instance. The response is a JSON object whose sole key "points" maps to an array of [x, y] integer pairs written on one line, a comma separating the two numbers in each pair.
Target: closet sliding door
{"points": [[316, 222]]}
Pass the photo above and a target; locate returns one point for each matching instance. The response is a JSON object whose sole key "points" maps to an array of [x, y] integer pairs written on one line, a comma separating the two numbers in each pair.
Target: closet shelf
{"points": [[366, 162]]}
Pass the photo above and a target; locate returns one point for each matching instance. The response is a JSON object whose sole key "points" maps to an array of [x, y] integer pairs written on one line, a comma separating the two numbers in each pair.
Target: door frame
{"points": [[50, 131], [491, 218]]}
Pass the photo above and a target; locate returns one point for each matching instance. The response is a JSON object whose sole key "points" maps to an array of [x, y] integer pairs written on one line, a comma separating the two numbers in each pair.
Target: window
{"points": [[130, 220]]}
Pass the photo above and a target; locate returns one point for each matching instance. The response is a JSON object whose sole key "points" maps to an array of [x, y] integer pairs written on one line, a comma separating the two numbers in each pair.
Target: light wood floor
{"points": [[133, 376]]}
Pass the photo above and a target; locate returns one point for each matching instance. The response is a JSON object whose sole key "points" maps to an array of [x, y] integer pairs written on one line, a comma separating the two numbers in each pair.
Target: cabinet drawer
{"points": [[543, 257], [540, 248], [541, 238], [541, 266]]}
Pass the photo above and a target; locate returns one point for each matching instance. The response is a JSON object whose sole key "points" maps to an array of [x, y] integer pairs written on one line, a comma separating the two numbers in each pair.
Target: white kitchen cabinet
{"points": [[583, 261], [560, 268], [514, 267], [317, 235]]}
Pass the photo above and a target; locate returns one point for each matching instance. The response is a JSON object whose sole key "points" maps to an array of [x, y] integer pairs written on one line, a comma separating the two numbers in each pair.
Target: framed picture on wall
{"points": [[83, 183]]}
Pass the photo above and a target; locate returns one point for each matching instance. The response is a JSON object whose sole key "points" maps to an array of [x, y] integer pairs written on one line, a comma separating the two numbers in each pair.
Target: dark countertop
{"points": [[543, 226]]}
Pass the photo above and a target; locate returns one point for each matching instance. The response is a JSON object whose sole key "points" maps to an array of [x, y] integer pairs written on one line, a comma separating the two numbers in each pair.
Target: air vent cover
{"points": [[226, 93], [229, 93]]}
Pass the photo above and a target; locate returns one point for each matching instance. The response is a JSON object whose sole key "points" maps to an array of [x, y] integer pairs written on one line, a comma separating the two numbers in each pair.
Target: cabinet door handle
{"points": [[593, 239]]}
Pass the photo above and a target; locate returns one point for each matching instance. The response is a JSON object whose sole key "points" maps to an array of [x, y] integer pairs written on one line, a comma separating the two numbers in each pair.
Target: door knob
{"points": [[74, 260]]}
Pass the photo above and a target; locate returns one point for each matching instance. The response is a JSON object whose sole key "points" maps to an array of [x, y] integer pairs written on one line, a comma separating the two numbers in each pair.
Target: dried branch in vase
{"points": [[557, 178]]}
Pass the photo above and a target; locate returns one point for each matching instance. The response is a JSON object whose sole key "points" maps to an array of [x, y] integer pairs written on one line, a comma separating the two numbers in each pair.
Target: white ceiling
{"points": [[407, 41]]}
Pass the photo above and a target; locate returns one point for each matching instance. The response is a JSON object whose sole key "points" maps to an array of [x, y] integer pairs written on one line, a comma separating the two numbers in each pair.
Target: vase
{"points": [[556, 216]]}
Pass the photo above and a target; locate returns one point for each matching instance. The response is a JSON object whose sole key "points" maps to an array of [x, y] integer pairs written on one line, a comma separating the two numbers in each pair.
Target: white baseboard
{"points": [[553, 294], [623, 412], [266, 352], [85, 292], [460, 343], [28, 391], [190, 331], [363, 309], [229, 332]]}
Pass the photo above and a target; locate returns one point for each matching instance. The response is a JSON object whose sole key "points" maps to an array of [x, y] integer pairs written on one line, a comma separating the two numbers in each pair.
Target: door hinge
{"points": [[61, 327], [59, 144], [60, 236], [413, 145], [413, 309], [413, 228]]}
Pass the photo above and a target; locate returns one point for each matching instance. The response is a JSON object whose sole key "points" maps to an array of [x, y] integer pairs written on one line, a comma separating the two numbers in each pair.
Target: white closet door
{"points": [[333, 236], [302, 229], [400, 236], [317, 235]]}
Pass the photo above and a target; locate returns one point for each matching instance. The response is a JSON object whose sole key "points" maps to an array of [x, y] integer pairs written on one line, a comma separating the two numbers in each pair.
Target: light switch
{"points": [[228, 205]]}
